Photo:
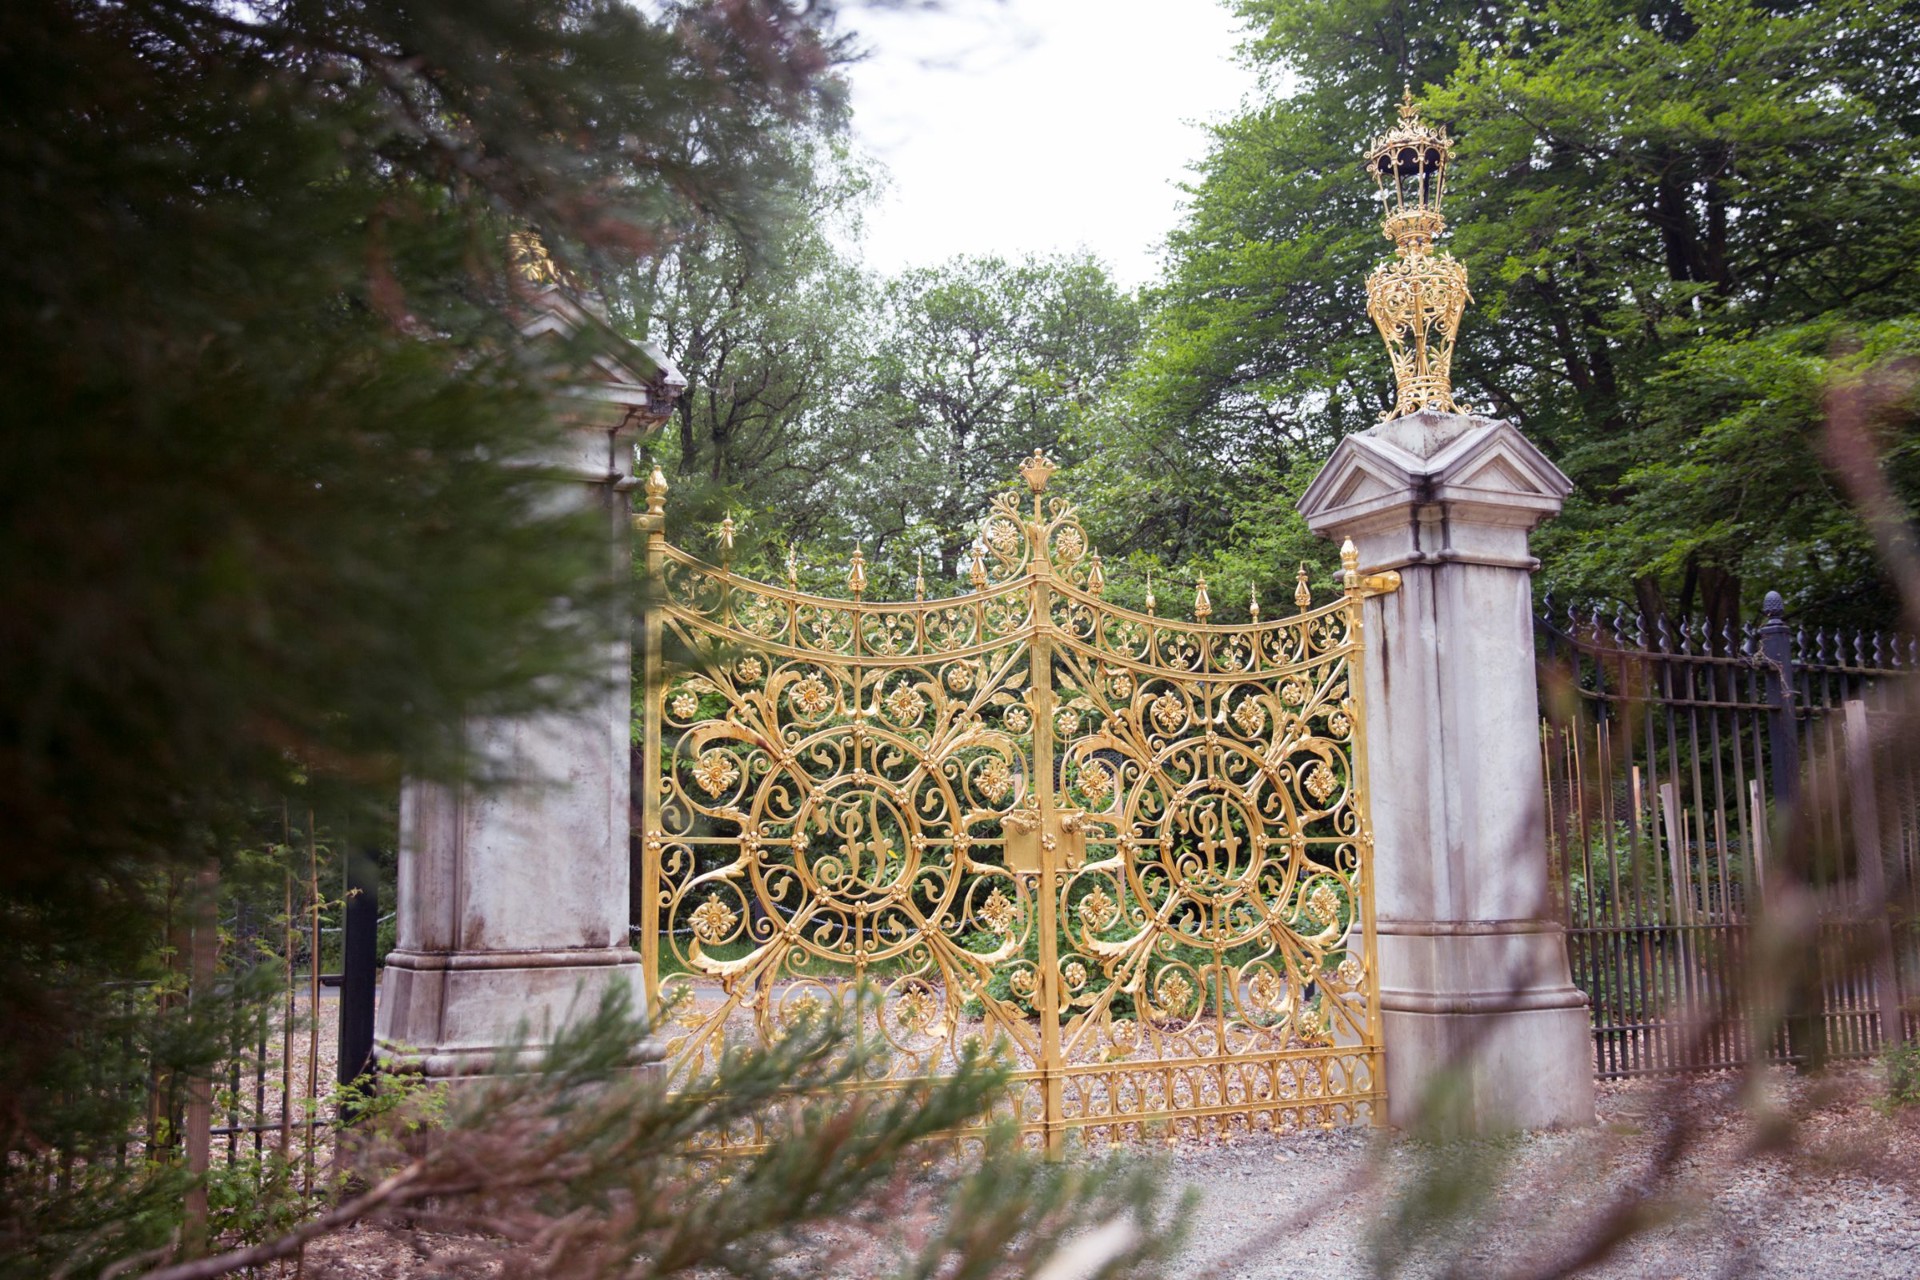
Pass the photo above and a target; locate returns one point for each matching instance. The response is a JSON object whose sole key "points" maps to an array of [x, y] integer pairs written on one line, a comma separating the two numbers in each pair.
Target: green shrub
{"points": [[1902, 1065]]}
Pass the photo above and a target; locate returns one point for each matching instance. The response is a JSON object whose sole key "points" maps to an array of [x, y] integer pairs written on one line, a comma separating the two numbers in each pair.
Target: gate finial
{"points": [[1036, 471], [657, 492], [1253, 601], [919, 576], [1152, 604], [1302, 593], [793, 567], [977, 574], [1416, 298], [1202, 602], [1096, 576], [857, 575]]}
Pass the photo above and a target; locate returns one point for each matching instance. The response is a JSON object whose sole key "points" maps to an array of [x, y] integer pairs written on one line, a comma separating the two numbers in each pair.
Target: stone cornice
{"points": [[642, 382], [1451, 481]]}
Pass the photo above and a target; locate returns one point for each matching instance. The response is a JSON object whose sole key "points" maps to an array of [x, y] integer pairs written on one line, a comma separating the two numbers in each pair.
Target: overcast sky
{"points": [[1039, 125]]}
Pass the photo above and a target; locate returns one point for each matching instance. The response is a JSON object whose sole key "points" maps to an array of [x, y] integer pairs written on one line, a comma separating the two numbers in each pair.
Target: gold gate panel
{"points": [[1128, 854]]}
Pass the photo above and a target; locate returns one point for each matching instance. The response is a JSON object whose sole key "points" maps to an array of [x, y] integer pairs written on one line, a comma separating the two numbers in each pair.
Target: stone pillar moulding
{"points": [[513, 899], [1475, 988]]}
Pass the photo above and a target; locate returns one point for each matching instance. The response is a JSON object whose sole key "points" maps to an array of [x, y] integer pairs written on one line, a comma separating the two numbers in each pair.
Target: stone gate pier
{"points": [[513, 899], [1475, 990]]}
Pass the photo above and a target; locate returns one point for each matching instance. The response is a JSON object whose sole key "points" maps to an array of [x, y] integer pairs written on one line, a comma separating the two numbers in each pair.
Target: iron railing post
{"points": [[1776, 647], [360, 953], [1806, 1033]]}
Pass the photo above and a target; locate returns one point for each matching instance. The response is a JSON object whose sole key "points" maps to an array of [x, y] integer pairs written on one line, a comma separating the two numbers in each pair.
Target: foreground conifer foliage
{"points": [[581, 1165], [258, 310]]}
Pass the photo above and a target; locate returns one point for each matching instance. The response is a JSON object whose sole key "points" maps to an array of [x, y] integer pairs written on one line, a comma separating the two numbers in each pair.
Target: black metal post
{"points": [[360, 952], [1776, 646], [1806, 1031]]}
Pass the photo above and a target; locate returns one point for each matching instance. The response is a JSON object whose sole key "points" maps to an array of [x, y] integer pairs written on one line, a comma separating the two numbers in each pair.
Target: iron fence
{"points": [[243, 987], [1669, 750]]}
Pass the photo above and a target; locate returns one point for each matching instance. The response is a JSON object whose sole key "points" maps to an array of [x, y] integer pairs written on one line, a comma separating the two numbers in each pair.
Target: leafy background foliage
{"points": [[1685, 222]]}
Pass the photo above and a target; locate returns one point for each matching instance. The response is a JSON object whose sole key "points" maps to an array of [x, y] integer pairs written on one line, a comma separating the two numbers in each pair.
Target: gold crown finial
{"points": [[726, 540], [1349, 565], [1036, 471], [1096, 575], [656, 490], [919, 576], [1202, 602], [977, 572], [531, 259], [1416, 298], [1302, 593]]}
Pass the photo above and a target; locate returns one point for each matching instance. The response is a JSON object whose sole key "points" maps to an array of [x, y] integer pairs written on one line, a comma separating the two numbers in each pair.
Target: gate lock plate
{"points": [[1060, 837]]}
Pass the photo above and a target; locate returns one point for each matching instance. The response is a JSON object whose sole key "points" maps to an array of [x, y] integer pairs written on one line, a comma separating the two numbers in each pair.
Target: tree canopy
{"points": [[1683, 222], [1686, 224], [832, 409]]}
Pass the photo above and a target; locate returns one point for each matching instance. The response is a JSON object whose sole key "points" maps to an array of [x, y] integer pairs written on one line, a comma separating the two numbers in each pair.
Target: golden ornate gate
{"points": [[1128, 853]]}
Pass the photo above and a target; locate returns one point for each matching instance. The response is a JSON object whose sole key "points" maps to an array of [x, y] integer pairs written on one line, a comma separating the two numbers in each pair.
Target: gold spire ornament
{"points": [[919, 576], [1202, 602], [1416, 298], [857, 574], [1349, 566]]}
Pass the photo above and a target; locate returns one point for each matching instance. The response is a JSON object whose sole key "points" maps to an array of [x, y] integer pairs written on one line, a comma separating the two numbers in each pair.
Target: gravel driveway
{"points": [[1839, 1198]]}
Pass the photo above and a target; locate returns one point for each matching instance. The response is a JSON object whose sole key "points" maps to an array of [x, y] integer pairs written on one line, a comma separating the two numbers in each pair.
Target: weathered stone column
{"points": [[513, 900], [1475, 989]]}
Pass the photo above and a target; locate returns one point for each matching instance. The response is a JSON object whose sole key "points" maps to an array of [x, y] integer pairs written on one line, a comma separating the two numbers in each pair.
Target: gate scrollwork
{"points": [[1128, 853]]}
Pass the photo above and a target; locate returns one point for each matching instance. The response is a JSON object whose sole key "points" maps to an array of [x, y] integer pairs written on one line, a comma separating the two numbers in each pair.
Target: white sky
{"points": [[1039, 126]]}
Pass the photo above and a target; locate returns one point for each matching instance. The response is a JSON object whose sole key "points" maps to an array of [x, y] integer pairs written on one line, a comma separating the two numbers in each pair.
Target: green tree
{"points": [[768, 324], [977, 362], [1681, 208], [1649, 198], [829, 409]]}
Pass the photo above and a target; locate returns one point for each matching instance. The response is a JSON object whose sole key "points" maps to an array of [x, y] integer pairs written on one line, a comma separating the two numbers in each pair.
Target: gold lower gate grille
{"points": [[1127, 853]]}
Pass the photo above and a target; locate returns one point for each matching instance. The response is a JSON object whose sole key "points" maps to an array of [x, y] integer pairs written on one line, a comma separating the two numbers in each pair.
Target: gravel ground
{"points": [[1841, 1198], [1812, 1181]]}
